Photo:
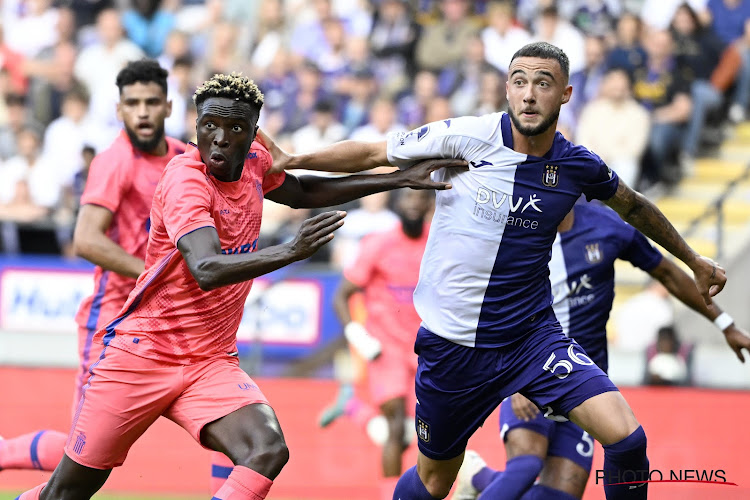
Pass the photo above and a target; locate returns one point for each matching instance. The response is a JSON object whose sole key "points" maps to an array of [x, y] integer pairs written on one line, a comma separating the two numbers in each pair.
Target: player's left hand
{"points": [[418, 176], [738, 339], [710, 278]]}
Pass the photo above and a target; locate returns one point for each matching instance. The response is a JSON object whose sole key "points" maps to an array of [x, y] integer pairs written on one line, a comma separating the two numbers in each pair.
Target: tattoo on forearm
{"points": [[647, 218]]}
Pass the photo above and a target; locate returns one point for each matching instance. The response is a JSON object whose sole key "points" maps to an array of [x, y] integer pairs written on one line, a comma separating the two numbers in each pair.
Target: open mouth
{"points": [[145, 128], [217, 159]]}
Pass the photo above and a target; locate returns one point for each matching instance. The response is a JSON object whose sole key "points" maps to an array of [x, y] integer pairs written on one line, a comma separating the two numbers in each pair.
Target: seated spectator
{"points": [[148, 23], [491, 93], [309, 90], [17, 118], [393, 40], [33, 28], [413, 107], [698, 50], [362, 89], [616, 126], [51, 76], [585, 82], [669, 361], [502, 37], [322, 131], [627, 52], [444, 43], [638, 321], [554, 29], [461, 82], [381, 123], [658, 14], [662, 87], [596, 17]]}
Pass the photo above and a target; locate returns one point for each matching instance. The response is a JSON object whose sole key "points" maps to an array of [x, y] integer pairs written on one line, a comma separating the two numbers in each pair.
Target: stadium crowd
{"points": [[662, 77]]}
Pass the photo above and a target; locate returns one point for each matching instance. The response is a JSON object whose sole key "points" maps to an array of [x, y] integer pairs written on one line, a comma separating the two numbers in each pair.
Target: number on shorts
{"points": [[581, 447], [562, 368]]}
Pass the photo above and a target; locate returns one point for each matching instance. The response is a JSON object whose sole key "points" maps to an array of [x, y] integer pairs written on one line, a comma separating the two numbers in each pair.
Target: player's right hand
{"points": [[523, 407], [316, 232], [710, 278]]}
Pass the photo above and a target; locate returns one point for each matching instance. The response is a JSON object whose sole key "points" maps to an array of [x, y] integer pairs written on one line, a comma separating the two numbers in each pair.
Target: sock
{"points": [[518, 476], [483, 478], [221, 467], [41, 450], [32, 494], [244, 484], [540, 492], [626, 461], [387, 487], [410, 487]]}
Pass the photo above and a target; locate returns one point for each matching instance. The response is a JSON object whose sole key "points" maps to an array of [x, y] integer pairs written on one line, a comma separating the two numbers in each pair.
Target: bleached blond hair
{"points": [[234, 86]]}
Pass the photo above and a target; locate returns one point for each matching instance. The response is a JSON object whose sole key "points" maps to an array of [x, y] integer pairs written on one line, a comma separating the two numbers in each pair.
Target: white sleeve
{"points": [[454, 138]]}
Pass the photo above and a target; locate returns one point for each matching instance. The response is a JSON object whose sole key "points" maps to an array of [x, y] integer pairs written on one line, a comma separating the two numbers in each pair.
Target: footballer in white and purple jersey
{"points": [[484, 280]]}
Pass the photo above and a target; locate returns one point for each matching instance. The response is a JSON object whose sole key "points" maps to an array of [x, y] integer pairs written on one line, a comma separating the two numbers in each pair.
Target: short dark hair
{"points": [[544, 50], [143, 71], [233, 86]]}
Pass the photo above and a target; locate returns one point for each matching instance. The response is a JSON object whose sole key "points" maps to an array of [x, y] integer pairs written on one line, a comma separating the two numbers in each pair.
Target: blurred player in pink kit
{"points": [[387, 271], [171, 351], [111, 231]]}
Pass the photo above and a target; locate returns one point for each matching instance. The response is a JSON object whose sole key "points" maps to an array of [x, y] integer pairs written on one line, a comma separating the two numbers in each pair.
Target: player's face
{"points": [[226, 129], [536, 88], [413, 207], [143, 107]]}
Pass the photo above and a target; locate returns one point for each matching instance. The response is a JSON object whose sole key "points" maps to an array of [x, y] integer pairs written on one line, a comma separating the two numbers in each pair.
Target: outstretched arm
{"points": [[201, 250], [683, 287], [342, 157], [309, 191], [637, 210]]}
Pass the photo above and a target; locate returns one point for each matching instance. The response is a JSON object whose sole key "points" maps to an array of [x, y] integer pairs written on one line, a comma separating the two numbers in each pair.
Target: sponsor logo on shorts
{"points": [[423, 430], [80, 443]]}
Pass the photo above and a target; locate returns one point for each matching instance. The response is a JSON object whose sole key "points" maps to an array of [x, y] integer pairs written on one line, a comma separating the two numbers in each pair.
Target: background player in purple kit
{"points": [[488, 329], [590, 239]]}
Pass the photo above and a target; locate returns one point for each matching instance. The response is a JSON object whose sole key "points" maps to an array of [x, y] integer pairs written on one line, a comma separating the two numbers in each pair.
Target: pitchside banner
{"points": [[288, 313]]}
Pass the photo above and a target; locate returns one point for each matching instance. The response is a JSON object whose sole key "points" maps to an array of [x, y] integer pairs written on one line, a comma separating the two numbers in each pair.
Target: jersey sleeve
{"points": [[108, 180], [603, 181], [640, 252], [360, 272], [271, 180], [186, 201], [459, 138]]}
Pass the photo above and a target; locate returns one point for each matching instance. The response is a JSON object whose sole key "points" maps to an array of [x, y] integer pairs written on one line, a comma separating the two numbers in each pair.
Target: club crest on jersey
{"points": [[423, 430], [593, 253], [550, 177]]}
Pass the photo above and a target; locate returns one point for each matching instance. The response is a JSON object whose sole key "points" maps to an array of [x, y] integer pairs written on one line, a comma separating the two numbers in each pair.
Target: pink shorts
{"points": [[392, 374], [127, 393]]}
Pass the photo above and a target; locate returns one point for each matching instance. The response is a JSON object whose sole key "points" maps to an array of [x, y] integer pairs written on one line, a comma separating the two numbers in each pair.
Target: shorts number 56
{"points": [[563, 367]]}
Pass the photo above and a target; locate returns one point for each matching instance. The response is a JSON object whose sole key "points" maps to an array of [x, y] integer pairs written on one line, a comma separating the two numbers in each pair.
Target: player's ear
{"points": [[567, 93], [169, 109]]}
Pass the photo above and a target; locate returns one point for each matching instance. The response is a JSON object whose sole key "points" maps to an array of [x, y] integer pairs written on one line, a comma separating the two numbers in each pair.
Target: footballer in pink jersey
{"points": [[387, 271], [111, 231], [171, 350]]}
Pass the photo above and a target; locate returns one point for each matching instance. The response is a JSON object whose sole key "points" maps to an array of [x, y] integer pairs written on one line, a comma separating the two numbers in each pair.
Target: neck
{"points": [[535, 145], [161, 149], [567, 222]]}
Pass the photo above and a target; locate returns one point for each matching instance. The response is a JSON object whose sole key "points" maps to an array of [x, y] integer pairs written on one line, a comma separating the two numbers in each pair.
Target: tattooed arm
{"points": [[639, 212]]}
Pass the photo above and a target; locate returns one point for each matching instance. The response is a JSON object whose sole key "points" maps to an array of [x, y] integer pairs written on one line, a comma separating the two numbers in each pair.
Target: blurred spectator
{"points": [[223, 54], [616, 126], [462, 81], [31, 187], [32, 28], [554, 29], [176, 45], [372, 216], [86, 11], [382, 121], [444, 43], [585, 82], [393, 40], [439, 109], [18, 118], [51, 75], [308, 36], [502, 37], [641, 316], [331, 57], [662, 87], [491, 93], [698, 51], [298, 109], [658, 14], [12, 62], [97, 67], [728, 18], [596, 17], [412, 107], [322, 131], [627, 52], [66, 136], [148, 23], [180, 90], [278, 83], [362, 91], [669, 361], [269, 38]]}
